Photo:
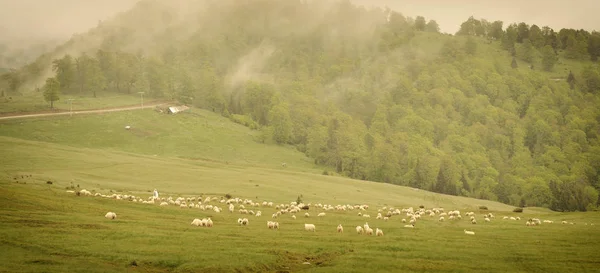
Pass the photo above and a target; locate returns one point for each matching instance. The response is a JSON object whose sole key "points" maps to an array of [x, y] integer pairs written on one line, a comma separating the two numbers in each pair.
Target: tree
{"points": [[527, 51], [522, 32], [549, 58], [279, 119], [420, 23], [514, 64], [495, 30], [52, 91], [571, 79], [536, 37], [432, 26], [471, 46]]}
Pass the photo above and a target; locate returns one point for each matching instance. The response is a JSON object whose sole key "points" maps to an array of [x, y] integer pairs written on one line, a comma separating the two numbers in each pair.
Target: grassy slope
{"points": [[34, 102], [44, 228], [197, 134]]}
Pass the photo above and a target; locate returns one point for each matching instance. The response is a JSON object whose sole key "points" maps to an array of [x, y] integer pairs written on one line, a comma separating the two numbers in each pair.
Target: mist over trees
{"points": [[368, 93]]}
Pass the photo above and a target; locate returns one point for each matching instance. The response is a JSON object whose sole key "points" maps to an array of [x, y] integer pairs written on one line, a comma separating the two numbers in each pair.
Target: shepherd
{"points": [[155, 194]]}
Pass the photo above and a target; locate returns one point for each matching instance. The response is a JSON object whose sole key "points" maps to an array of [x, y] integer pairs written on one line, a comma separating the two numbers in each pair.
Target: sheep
{"points": [[403, 220], [487, 219], [359, 230], [306, 214], [243, 222], [197, 222], [321, 214], [473, 221], [258, 213], [110, 215], [378, 232], [209, 222], [441, 219], [469, 232], [369, 231], [340, 229], [231, 208], [309, 227], [294, 217], [409, 226], [386, 218]]}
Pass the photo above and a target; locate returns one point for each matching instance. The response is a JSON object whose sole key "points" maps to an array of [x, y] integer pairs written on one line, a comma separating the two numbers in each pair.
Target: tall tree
{"points": [[52, 91], [571, 79], [420, 23], [496, 30], [549, 58], [432, 26], [471, 46]]}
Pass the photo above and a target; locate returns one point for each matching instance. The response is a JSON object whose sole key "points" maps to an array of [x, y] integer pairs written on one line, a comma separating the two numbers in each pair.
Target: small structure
{"points": [[177, 109]]}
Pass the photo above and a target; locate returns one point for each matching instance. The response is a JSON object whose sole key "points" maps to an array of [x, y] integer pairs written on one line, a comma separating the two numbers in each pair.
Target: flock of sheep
{"points": [[245, 206]]}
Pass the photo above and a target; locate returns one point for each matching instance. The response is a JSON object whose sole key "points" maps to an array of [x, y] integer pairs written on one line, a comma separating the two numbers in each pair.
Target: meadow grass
{"points": [[45, 229], [197, 134], [34, 102]]}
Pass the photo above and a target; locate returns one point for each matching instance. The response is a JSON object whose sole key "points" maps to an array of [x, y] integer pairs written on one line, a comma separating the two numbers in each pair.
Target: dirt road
{"points": [[79, 112]]}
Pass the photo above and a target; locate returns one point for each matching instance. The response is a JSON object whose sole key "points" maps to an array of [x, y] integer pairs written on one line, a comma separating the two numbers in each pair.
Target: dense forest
{"points": [[368, 93]]}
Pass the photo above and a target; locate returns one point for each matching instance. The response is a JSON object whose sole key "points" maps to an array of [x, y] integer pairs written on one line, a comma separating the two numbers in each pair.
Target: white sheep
{"points": [[441, 219], [306, 214], [209, 222], [409, 226], [359, 230], [386, 218], [340, 229], [197, 222], [369, 231], [378, 232], [469, 232], [321, 214], [110, 215], [309, 227], [487, 219]]}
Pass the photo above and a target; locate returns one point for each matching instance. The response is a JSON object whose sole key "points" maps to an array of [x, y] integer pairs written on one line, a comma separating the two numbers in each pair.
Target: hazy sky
{"points": [[61, 18]]}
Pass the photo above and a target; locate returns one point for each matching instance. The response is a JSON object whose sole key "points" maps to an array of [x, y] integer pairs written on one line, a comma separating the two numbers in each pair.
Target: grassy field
{"points": [[35, 102], [43, 228], [197, 134]]}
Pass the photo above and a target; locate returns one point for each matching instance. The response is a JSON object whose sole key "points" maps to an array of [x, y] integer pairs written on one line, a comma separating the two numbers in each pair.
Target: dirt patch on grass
{"points": [[42, 262], [36, 223], [291, 261]]}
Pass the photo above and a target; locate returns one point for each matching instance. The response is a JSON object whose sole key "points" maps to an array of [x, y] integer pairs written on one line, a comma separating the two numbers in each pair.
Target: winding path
{"points": [[79, 112]]}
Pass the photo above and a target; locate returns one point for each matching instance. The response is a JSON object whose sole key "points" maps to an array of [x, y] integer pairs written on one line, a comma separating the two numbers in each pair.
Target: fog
{"points": [[54, 19], [450, 14], [59, 19]]}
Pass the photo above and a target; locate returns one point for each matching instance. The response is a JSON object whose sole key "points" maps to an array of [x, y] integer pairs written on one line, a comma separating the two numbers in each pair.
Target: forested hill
{"points": [[508, 113]]}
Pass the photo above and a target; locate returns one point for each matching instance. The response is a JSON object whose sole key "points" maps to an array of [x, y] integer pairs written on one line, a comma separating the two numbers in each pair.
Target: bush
{"points": [[244, 120], [421, 207], [518, 210], [325, 172], [483, 208], [228, 196]]}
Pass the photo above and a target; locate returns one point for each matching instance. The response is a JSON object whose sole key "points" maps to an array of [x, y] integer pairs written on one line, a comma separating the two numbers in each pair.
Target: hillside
{"points": [[501, 113]]}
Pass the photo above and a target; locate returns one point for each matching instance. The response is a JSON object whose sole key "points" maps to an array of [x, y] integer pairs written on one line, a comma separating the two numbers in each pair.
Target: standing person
{"points": [[155, 194]]}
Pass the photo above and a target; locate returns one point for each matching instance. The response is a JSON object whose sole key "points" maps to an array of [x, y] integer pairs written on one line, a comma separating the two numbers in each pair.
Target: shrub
{"points": [[421, 207], [244, 120], [228, 196], [483, 207], [325, 172], [49, 182], [518, 210]]}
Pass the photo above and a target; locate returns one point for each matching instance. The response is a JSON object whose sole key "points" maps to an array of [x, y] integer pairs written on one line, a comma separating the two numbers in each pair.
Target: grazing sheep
{"points": [[321, 214], [244, 222], [258, 213], [340, 229], [306, 214], [359, 230], [409, 226], [369, 231], [209, 222], [473, 221], [386, 218], [441, 219], [403, 220], [378, 232], [294, 217], [309, 227], [110, 215], [469, 232], [197, 222], [487, 219]]}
